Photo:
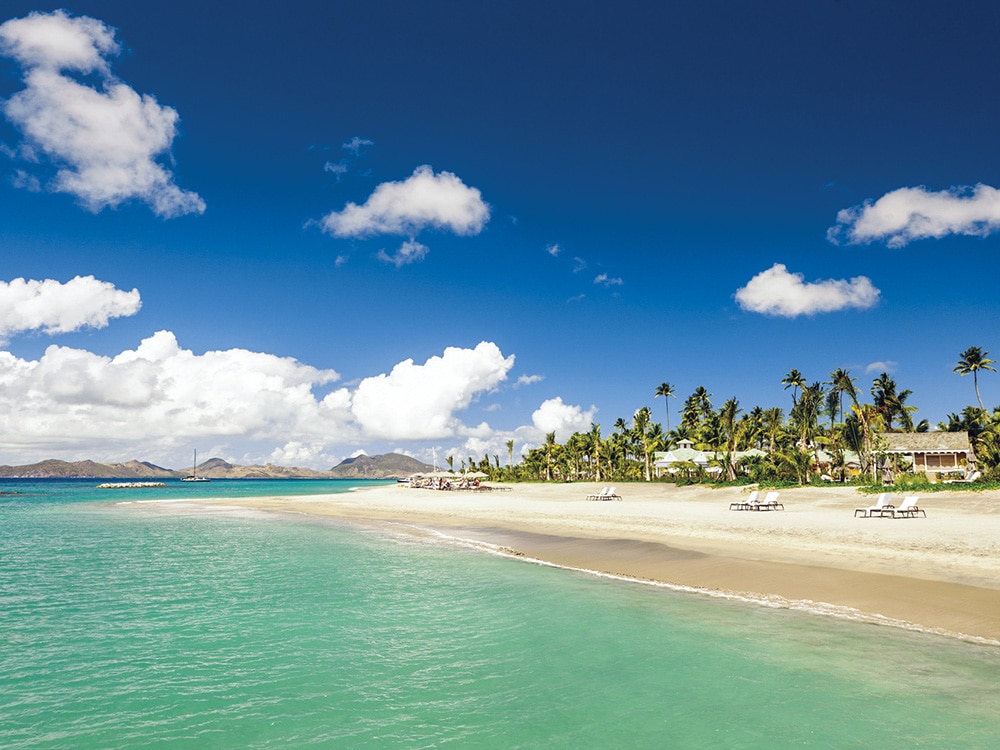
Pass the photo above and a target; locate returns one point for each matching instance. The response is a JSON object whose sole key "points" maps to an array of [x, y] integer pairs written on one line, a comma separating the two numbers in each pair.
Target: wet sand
{"points": [[940, 573]]}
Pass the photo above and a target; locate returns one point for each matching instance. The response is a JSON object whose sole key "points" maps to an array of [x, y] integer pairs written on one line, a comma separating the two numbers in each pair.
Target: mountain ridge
{"points": [[384, 466]]}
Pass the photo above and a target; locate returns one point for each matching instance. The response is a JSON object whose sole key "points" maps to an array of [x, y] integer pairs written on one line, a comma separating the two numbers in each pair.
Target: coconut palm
{"points": [[640, 428], [667, 391], [727, 418], [840, 383], [510, 454], [595, 449], [973, 360], [794, 380], [550, 451]]}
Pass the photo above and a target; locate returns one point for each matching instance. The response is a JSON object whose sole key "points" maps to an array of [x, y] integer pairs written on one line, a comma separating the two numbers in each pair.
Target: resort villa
{"points": [[684, 457], [941, 456], [935, 454]]}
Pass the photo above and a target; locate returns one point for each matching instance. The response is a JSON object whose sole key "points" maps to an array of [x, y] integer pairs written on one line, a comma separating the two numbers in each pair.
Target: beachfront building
{"points": [[684, 457], [935, 454]]}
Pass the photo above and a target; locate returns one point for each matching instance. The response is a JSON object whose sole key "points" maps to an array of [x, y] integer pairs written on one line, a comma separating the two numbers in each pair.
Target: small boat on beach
{"points": [[193, 476]]}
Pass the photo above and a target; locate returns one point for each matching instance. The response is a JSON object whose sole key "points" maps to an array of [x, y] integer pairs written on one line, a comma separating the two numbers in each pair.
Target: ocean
{"points": [[137, 626]]}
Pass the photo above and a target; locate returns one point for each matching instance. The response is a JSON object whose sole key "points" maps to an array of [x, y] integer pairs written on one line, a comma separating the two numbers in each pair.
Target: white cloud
{"points": [[355, 144], [155, 401], [296, 453], [54, 307], [609, 281], [424, 199], [908, 214], [563, 419], [778, 292], [419, 401], [528, 380], [159, 394], [886, 366], [553, 250], [103, 143], [410, 251], [578, 264]]}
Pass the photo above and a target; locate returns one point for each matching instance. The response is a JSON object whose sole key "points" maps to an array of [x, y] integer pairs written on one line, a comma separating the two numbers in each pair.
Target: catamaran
{"points": [[193, 476]]}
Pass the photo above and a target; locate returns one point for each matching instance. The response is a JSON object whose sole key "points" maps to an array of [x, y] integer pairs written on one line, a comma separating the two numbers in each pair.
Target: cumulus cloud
{"points": [[158, 397], [102, 143], [54, 307], [419, 401], [563, 419], [778, 292], [424, 199], [159, 393], [410, 251], [908, 214]]}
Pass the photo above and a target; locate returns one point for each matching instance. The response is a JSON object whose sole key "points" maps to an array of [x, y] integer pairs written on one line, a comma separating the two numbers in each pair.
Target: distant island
{"points": [[385, 466]]}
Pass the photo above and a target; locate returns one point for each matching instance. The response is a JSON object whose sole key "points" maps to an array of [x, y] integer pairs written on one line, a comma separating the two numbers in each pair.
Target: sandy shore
{"points": [[941, 572]]}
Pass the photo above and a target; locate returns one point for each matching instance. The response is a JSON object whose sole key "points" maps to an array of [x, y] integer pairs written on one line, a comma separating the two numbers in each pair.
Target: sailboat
{"points": [[193, 476]]}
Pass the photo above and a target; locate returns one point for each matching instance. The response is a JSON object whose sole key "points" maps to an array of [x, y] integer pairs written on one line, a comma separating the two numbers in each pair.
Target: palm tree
{"points": [[667, 391], [973, 360], [550, 449], [840, 383], [794, 380], [595, 448], [640, 435], [884, 397], [727, 417], [510, 455]]}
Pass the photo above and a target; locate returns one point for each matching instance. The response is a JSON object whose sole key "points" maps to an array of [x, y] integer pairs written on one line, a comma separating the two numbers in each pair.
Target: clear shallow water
{"points": [[134, 627]]}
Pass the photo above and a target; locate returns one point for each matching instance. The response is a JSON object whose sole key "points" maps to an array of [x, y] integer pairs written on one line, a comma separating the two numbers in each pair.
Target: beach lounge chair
{"points": [[598, 495], [610, 494], [770, 502], [744, 504], [908, 508], [882, 506], [964, 480]]}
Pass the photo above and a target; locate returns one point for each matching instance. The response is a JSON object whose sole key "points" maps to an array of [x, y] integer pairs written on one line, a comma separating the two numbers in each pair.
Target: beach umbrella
{"points": [[476, 475]]}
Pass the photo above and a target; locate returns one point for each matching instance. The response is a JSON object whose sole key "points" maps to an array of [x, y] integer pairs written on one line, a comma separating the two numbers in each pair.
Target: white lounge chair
{"points": [[744, 504], [880, 508], [770, 502], [598, 495], [964, 480], [908, 508], [611, 494]]}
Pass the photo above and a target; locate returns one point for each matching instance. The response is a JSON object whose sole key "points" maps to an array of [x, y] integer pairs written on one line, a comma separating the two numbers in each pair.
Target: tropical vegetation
{"points": [[827, 420]]}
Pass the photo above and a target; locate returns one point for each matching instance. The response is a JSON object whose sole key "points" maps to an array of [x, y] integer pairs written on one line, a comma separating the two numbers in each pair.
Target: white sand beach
{"points": [[941, 572]]}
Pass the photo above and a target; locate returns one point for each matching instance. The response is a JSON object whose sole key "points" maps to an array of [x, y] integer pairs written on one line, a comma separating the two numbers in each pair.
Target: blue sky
{"points": [[292, 234]]}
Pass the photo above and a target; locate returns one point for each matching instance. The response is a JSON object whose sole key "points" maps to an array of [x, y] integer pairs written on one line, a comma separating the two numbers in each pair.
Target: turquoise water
{"points": [[131, 626]]}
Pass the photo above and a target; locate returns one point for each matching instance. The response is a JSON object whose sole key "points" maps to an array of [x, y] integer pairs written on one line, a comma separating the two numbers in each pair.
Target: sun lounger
{"points": [[598, 495], [770, 502], [966, 479], [611, 494], [882, 506], [744, 504], [908, 508]]}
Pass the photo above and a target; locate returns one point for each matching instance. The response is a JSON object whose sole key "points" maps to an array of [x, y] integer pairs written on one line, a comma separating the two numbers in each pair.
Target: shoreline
{"points": [[940, 574]]}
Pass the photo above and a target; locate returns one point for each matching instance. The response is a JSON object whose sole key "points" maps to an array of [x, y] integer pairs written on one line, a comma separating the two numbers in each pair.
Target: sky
{"points": [[295, 233]]}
